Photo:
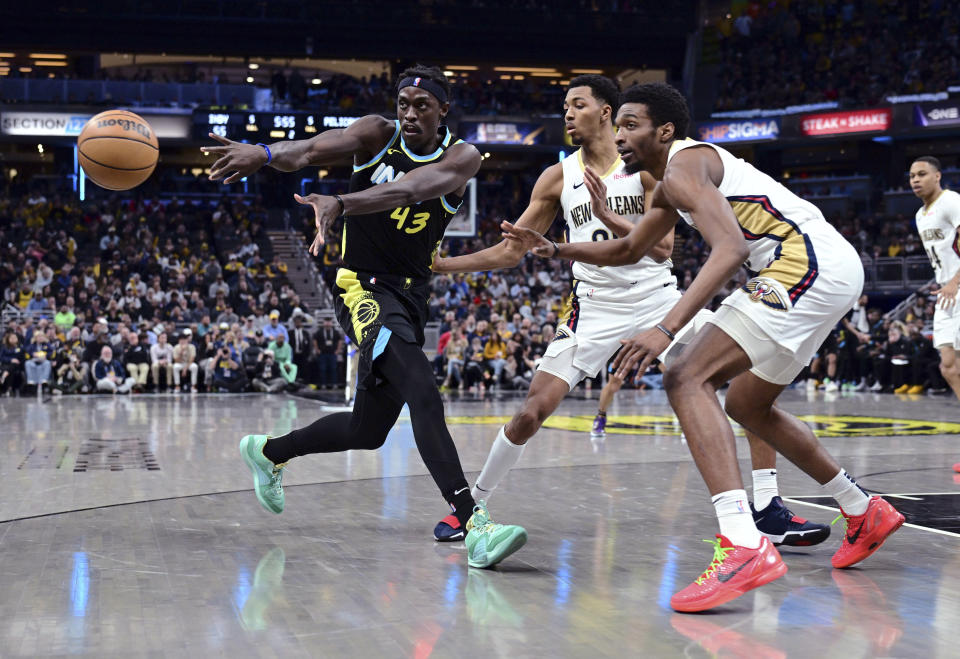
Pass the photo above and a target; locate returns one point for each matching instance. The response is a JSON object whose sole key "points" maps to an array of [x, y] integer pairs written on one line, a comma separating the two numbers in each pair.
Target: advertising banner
{"points": [[745, 130], [500, 132], [935, 115], [840, 123], [39, 123]]}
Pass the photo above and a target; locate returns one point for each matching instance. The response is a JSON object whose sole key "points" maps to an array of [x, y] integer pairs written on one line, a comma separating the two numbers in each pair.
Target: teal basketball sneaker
{"points": [[487, 542], [267, 476]]}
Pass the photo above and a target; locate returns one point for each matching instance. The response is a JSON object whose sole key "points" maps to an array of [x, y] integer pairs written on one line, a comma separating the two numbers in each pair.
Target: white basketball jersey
{"points": [[625, 198], [939, 227], [773, 220]]}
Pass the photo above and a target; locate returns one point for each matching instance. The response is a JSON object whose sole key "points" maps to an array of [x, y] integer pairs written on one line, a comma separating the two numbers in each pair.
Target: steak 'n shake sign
{"points": [[840, 123]]}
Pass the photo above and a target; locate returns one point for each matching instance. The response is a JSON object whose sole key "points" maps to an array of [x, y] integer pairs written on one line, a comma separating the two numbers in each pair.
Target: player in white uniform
{"points": [[607, 304], [938, 222], [805, 277]]}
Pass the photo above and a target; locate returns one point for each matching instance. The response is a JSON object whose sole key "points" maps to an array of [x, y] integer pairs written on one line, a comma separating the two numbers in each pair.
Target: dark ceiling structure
{"points": [[645, 35]]}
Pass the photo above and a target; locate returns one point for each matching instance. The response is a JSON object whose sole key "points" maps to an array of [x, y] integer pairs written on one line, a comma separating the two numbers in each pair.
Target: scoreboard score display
{"points": [[266, 126]]}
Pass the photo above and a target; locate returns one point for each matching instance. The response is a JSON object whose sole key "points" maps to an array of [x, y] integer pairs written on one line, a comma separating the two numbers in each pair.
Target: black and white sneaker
{"points": [[782, 527]]}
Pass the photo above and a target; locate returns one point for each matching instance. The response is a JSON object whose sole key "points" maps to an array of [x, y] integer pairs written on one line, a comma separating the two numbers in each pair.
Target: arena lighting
{"points": [[525, 69], [451, 67], [598, 71], [249, 78], [317, 81], [49, 63], [25, 69], [253, 66], [449, 74], [7, 55], [546, 74], [46, 56]]}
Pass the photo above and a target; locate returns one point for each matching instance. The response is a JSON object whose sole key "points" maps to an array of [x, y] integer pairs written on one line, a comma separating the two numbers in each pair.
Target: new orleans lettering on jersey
{"points": [[401, 241], [621, 205], [776, 224], [625, 197], [939, 228]]}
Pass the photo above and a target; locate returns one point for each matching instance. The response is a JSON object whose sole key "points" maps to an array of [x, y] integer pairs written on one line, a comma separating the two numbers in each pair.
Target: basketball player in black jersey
{"points": [[409, 177]]}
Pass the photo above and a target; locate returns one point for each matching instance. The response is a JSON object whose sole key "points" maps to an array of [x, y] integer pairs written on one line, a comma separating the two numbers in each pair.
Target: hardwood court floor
{"points": [[128, 528]]}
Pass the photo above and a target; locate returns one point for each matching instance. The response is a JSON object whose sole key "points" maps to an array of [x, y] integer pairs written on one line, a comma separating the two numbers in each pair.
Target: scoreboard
{"points": [[265, 126]]}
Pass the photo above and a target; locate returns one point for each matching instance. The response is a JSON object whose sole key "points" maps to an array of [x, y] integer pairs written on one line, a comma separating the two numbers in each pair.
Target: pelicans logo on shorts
{"points": [[562, 333], [768, 291]]}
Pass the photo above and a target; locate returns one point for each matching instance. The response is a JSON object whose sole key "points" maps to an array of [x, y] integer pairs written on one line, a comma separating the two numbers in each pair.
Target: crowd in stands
{"points": [[855, 52], [138, 295], [142, 295], [869, 352]]}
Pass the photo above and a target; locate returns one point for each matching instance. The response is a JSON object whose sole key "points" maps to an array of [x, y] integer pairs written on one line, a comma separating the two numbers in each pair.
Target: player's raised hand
{"points": [[598, 192], [235, 159], [532, 241], [326, 210], [639, 351]]}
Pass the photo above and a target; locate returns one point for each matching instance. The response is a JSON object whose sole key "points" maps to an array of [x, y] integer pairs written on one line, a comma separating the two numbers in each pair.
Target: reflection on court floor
{"points": [[128, 527]]}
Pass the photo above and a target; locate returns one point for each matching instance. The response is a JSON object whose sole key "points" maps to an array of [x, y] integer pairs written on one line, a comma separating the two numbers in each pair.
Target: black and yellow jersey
{"points": [[401, 241]]}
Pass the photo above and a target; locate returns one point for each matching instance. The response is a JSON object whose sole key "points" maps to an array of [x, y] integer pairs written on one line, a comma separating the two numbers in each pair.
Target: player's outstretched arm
{"points": [[643, 237], [448, 175], [236, 160], [538, 216]]}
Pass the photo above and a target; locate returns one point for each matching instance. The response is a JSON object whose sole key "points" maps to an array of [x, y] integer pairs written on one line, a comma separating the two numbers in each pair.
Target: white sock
{"points": [[848, 494], [764, 487], [736, 521], [503, 455]]}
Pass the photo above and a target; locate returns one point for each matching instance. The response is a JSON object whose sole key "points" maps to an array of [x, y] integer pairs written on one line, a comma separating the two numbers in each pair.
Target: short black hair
{"points": [[930, 159], [603, 88], [664, 103], [429, 72]]}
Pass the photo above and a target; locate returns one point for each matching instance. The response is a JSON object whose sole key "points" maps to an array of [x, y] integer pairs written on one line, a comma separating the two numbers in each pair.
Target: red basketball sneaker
{"points": [[733, 571], [865, 533]]}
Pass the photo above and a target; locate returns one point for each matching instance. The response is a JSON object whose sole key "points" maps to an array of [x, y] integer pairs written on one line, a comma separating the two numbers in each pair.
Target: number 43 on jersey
{"points": [[417, 222]]}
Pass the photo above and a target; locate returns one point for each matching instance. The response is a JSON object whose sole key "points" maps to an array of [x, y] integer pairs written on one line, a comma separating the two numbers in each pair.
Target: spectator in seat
{"points": [[185, 359], [65, 318], [284, 356], [228, 316], [108, 374], [161, 357], [137, 360], [300, 346], [326, 342], [11, 364], [38, 367], [268, 378], [253, 353], [228, 375], [70, 377], [275, 328], [219, 286]]}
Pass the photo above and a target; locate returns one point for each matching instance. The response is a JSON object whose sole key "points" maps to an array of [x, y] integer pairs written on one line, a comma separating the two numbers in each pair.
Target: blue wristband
{"points": [[267, 149]]}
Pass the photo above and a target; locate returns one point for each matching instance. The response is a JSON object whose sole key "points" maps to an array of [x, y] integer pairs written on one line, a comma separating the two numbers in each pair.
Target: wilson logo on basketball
{"points": [[125, 124]]}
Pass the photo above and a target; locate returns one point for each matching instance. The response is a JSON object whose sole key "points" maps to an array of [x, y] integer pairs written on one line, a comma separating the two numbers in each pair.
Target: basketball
{"points": [[118, 149]]}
